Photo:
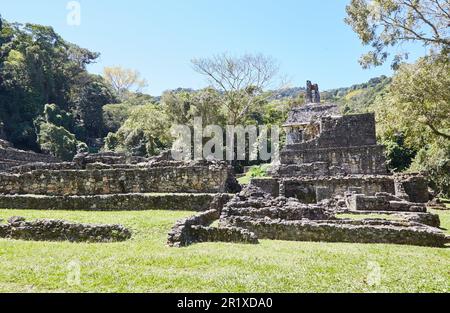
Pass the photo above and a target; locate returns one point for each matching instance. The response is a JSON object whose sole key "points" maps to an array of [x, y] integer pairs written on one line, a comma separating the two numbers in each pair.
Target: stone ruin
{"points": [[312, 94], [110, 181], [104, 182], [331, 165]]}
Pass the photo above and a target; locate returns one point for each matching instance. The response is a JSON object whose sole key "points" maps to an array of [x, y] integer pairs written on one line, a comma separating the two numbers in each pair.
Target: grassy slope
{"points": [[145, 264]]}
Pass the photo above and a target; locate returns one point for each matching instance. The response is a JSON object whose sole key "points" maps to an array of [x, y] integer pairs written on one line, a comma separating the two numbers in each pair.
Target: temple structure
{"points": [[327, 154]]}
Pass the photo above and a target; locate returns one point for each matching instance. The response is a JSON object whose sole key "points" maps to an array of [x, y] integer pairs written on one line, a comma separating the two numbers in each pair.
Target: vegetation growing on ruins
{"points": [[272, 266]]}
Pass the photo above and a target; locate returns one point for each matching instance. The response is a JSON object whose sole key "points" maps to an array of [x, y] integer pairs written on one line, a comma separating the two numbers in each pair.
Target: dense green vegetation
{"points": [[358, 98], [38, 67], [146, 264], [256, 171], [383, 24]]}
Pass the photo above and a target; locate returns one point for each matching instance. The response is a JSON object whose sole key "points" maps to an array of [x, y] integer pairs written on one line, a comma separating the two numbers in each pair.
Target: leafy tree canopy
{"points": [[38, 67], [381, 24]]}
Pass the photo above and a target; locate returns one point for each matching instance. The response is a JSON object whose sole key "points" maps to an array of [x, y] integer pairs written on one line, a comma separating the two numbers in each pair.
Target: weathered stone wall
{"points": [[181, 179], [268, 185], [14, 156], [253, 214], [413, 187], [116, 202], [290, 212], [309, 169], [255, 202], [5, 165], [339, 131], [348, 131], [196, 228], [222, 234], [365, 231], [30, 167], [349, 160], [380, 202], [56, 230], [306, 189], [110, 158]]}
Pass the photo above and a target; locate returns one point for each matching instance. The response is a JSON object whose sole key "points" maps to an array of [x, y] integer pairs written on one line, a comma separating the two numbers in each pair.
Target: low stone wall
{"points": [[215, 178], [223, 234], [56, 230], [306, 189], [115, 202], [39, 166], [365, 231], [9, 153], [382, 202], [253, 202], [289, 213], [110, 158], [428, 219], [6, 165], [196, 229]]}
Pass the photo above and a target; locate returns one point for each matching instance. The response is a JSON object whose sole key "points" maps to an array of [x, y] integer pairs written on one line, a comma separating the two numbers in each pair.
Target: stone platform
{"points": [[198, 202], [255, 215], [111, 182]]}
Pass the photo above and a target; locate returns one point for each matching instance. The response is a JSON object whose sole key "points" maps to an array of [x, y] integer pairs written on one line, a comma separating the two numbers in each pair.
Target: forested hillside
{"points": [[358, 98], [48, 101]]}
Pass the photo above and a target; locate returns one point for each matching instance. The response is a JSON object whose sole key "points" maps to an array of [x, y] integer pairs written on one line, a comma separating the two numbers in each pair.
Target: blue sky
{"points": [[160, 37]]}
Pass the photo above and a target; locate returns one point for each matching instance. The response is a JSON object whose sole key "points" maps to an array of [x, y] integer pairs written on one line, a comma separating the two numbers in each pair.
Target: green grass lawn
{"points": [[146, 264]]}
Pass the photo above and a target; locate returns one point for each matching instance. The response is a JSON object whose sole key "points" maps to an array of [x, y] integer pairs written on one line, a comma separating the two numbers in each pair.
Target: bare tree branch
{"points": [[241, 79]]}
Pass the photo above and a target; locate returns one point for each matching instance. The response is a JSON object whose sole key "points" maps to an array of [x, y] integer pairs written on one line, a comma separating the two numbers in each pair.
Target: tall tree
{"points": [[144, 133], [183, 107], [387, 23], [123, 81], [419, 100], [37, 67], [88, 97], [242, 80]]}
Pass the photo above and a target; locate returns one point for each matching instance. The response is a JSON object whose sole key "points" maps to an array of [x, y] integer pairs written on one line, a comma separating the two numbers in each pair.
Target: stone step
{"points": [[6, 164]]}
